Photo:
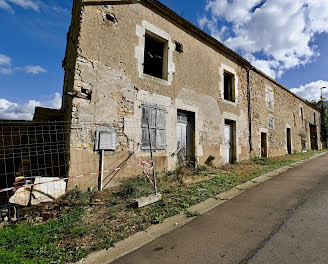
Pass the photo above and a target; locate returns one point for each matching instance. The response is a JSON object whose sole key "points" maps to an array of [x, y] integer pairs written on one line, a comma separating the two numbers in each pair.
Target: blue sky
{"points": [[284, 38]]}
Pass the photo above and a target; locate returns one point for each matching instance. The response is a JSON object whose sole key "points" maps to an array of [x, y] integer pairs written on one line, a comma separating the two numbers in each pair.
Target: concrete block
{"points": [[141, 202]]}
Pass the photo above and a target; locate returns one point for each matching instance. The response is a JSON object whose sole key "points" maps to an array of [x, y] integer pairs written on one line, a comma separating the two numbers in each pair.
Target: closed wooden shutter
{"points": [[156, 116], [161, 129]]}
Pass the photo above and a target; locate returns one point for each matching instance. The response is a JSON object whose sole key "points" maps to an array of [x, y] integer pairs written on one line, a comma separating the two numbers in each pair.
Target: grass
{"points": [[94, 221]]}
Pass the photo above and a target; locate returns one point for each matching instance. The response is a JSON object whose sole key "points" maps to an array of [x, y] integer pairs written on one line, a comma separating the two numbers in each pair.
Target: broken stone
{"points": [[19, 179], [51, 189]]}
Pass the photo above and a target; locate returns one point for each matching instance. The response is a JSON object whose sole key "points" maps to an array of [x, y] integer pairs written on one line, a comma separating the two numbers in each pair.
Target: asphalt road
{"points": [[304, 236], [283, 220]]}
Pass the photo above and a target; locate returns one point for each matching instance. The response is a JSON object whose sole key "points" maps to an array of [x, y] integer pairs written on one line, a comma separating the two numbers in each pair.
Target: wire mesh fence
{"points": [[46, 166]]}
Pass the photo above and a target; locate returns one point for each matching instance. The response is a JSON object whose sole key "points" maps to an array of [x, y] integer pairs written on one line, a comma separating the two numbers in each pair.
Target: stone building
{"points": [[134, 64]]}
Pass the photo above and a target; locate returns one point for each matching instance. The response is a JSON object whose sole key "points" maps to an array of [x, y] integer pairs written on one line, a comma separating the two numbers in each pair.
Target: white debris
{"points": [[50, 189]]}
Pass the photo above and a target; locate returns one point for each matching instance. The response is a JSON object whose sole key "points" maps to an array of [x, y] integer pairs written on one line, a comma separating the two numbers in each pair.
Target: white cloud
{"points": [[34, 69], [4, 5], [4, 60], [13, 111], [5, 64], [26, 4], [282, 31], [266, 66], [311, 91], [6, 67], [57, 101], [9, 110]]}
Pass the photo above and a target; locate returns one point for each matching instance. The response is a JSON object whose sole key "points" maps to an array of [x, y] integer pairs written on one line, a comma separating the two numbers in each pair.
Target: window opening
{"points": [[270, 122], [229, 93], [154, 56]]}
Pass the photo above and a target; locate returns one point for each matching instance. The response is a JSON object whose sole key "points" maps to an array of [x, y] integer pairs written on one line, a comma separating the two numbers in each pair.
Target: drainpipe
{"points": [[249, 110]]}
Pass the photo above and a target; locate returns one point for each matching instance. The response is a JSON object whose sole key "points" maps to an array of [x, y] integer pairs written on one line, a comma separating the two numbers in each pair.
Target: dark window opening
{"points": [[154, 57], [229, 93], [314, 118], [111, 18], [301, 109], [178, 47]]}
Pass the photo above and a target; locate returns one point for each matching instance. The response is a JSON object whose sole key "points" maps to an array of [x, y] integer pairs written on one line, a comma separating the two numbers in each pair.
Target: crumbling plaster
{"points": [[107, 85], [123, 77]]}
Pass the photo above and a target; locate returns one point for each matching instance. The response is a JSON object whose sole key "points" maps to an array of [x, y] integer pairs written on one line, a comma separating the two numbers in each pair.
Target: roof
{"points": [[196, 30]]}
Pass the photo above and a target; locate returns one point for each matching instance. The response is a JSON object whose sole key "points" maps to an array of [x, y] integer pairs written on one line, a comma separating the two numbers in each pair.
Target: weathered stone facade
{"points": [[105, 82]]}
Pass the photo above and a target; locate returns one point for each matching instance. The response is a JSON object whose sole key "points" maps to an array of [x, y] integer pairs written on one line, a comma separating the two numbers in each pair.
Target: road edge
{"points": [[153, 232]]}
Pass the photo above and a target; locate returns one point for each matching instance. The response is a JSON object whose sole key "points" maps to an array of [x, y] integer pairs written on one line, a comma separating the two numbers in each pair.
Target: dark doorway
{"points": [[313, 137], [264, 145], [186, 136], [289, 141]]}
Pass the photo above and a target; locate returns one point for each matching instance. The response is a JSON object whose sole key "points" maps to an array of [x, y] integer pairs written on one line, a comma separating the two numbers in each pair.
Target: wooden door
{"points": [[182, 140], [313, 136], [264, 147], [228, 144], [289, 141]]}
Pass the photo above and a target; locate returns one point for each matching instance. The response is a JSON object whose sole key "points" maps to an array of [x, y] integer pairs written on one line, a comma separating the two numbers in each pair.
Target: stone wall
{"points": [[105, 83], [286, 114]]}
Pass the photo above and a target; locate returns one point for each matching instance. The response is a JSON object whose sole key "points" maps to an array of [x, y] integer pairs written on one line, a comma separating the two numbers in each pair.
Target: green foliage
{"points": [[43, 243], [77, 196], [261, 161], [135, 188], [191, 213], [30, 243]]}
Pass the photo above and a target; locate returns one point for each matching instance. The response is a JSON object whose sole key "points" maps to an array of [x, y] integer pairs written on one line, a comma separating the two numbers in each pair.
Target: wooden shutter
{"points": [[156, 116], [161, 129], [148, 115]]}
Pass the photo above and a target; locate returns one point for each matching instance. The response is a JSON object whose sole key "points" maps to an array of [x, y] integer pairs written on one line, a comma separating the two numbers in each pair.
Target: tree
{"points": [[323, 105]]}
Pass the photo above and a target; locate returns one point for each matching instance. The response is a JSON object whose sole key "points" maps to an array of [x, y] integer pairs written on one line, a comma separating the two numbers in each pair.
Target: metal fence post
{"points": [[152, 158]]}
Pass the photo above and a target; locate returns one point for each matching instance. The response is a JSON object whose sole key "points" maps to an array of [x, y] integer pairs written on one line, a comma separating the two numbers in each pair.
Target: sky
{"points": [[286, 39]]}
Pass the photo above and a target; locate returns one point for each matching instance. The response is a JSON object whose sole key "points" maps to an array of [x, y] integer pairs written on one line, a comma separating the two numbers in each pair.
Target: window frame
{"points": [[269, 98], [270, 118], [157, 33], [164, 42], [224, 69], [231, 83]]}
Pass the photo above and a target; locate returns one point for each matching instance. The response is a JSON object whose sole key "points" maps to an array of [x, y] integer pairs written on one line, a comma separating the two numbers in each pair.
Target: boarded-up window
{"points": [[269, 99], [270, 122], [155, 115], [229, 91]]}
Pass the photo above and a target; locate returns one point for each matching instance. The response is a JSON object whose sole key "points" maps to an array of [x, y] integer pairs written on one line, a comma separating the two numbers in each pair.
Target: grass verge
{"points": [[91, 222]]}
